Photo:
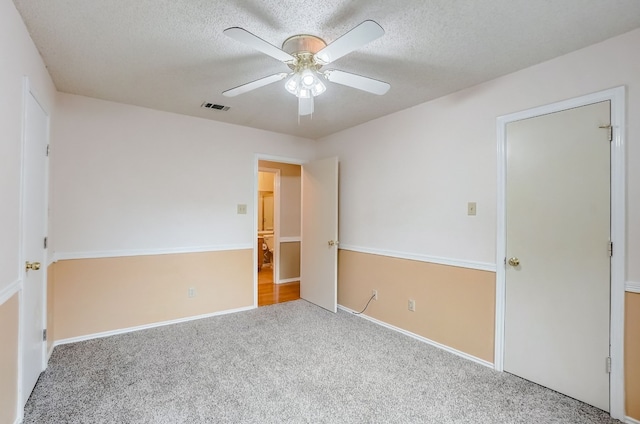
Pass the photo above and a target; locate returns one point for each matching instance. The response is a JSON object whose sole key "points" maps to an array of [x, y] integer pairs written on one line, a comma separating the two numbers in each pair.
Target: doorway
{"points": [[515, 276], [278, 232]]}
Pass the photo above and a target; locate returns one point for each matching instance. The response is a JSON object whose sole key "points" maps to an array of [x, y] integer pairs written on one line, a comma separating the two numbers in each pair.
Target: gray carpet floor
{"points": [[287, 363]]}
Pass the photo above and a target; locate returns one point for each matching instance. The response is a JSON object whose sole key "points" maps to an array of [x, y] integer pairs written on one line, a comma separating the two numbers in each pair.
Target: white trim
{"points": [[63, 256], [288, 280], [8, 292], [279, 159], [630, 420], [461, 263], [50, 351], [290, 239], [148, 326], [618, 218], [420, 338], [632, 287], [21, 255]]}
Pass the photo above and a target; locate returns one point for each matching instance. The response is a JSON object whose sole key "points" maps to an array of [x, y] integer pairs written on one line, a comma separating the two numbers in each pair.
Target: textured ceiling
{"points": [[171, 55]]}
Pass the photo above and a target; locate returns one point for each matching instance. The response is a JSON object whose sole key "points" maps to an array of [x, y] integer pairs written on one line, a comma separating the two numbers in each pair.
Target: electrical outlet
{"points": [[192, 292], [374, 293], [412, 305]]}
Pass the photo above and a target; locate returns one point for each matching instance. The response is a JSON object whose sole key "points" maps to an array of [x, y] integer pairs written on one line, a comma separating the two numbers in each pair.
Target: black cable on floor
{"points": [[365, 308]]}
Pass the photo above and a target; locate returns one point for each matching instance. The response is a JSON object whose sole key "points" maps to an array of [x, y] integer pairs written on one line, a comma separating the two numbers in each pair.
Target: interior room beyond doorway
{"points": [[278, 232]]}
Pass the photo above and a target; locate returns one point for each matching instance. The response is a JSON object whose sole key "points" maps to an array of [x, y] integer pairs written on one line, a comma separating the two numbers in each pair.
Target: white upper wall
{"points": [[406, 178], [18, 58], [128, 178]]}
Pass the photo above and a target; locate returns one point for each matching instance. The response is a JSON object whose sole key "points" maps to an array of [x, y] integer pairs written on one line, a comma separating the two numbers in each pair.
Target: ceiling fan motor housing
{"points": [[303, 47]]}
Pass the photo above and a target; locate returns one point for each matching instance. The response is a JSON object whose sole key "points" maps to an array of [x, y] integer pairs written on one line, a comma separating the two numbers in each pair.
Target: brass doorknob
{"points": [[514, 261], [32, 265], [333, 243]]}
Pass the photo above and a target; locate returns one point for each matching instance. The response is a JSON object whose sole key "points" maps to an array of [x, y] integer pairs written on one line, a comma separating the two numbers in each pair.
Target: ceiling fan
{"points": [[306, 55]]}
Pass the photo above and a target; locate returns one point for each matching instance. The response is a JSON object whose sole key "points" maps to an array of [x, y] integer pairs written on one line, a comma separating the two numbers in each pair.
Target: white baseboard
{"points": [[422, 339], [288, 280], [147, 326], [630, 420]]}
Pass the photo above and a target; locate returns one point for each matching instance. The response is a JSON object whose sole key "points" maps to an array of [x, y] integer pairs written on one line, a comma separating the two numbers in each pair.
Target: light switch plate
{"points": [[471, 208], [242, 209]]}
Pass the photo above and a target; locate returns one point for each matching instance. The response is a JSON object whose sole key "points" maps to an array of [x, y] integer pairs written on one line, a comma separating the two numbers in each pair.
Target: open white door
{"points": [[319, 247], [33, 233]]}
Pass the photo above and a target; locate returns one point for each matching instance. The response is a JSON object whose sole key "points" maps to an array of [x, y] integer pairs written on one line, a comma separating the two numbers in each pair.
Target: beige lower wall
{"points": [[454, 306], [9, 317], [632, 354], [289, 260], [96, 295]]}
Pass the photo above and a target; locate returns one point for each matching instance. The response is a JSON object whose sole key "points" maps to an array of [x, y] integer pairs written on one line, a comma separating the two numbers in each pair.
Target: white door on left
{"points": [[34, 216]]}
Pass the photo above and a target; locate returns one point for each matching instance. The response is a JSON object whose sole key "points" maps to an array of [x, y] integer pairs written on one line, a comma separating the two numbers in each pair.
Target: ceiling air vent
{"points": [[215, 106]]}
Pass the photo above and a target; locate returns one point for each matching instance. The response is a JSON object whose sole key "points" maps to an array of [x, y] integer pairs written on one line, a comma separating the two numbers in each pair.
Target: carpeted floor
{"points": [[292, 363]]}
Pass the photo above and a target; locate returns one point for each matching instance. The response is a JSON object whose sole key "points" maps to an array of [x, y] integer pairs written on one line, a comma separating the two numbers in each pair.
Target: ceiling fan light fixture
{"points": [[293, 84], [308, 79], [304, 93], [305, 84]]}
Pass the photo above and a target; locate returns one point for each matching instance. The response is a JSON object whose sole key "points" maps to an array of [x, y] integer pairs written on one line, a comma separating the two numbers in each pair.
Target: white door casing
{"points": [[618, 218], [34, 226], [557, 240], [319, 250]]}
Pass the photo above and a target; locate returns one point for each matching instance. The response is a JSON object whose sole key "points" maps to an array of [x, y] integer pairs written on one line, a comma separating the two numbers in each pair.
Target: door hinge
{"points": [[610, 249], [48, 149], [44, 335], [610, 129], [609, 364], [45, 242]]}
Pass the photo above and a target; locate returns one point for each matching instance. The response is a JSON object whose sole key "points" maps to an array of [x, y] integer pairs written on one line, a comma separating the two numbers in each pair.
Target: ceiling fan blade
{"points": [[258, 43], [254, 84], [305, 105], [357, 81], [352, 40]]}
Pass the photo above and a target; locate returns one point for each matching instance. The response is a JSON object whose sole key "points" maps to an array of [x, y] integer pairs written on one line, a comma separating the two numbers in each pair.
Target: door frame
{"points": [[617, 97], [29, 91], [276, 240]]}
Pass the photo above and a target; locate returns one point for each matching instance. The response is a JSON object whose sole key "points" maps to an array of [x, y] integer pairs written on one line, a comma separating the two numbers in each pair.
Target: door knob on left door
{"points": [[32, 265], [333, 243], [514, 261]]}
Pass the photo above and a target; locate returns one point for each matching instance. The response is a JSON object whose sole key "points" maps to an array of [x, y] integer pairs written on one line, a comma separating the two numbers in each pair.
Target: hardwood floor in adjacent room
{"points": [[270, 293]]}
